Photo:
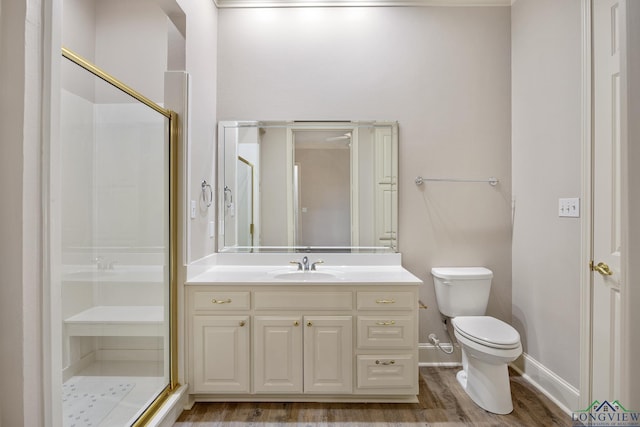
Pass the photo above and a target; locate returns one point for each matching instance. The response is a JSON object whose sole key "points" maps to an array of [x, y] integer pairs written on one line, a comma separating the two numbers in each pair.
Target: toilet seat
{"points": [[487, 331]]}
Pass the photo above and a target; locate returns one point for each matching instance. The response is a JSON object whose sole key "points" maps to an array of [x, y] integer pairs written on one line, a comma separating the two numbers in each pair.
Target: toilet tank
{"points": [[462, 291]]}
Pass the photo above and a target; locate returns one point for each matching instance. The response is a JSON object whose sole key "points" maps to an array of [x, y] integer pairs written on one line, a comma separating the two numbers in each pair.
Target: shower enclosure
{"points": [[117, 255]]}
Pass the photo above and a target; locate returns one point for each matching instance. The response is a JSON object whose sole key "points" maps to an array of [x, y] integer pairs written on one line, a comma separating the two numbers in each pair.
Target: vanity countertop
{"points": [[283, 275]]}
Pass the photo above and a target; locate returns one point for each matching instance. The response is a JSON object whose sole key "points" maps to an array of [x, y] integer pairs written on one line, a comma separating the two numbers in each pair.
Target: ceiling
{"points": [[334, 3]]}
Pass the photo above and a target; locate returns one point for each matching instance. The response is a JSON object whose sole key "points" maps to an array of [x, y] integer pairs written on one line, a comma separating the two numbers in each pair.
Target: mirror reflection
{"points": [[304, 186]]}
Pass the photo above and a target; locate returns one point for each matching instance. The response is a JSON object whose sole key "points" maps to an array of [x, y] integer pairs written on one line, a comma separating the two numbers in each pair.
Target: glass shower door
{"points": [[115, 252]]}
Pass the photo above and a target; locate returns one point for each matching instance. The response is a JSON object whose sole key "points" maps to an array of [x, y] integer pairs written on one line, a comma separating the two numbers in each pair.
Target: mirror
{"points": [[307, 186]]}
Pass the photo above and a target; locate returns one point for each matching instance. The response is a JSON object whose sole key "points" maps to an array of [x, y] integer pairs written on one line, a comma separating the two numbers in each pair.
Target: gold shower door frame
{"points": [[173, 226]]}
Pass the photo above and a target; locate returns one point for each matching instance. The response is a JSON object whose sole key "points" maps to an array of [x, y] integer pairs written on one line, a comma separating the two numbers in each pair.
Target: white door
{"points": [[607, 234], [244, 202], [328, 346], [277, 354]]}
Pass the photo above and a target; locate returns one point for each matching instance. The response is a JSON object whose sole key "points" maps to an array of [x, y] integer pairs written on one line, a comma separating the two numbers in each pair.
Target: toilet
{"points": [[488, 344]]}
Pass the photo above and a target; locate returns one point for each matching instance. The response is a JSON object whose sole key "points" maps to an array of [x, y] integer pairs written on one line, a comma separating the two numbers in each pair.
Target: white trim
{"points": [[586, 251], [563, 394], [355, 188], [430, 355], [359, 3], [290, 158], [51, 213], [171, 409], [630, 133]]}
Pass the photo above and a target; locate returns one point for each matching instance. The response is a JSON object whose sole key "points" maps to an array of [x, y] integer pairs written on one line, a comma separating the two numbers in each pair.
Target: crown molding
{"points": [[357, 3]]}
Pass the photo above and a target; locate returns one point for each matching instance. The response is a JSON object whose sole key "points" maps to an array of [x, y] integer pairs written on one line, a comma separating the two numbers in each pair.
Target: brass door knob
{"points": [[602, 268]]}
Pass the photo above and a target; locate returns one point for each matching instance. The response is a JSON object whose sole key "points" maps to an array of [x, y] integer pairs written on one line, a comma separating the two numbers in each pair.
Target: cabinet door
{"points": [[221, 354], [277, 354], [328, 349]]}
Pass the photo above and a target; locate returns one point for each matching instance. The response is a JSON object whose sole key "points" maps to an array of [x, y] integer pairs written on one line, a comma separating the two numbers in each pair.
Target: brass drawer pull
{"points": [[385, 301], [221, 301], [388, 362], [387, 323]]}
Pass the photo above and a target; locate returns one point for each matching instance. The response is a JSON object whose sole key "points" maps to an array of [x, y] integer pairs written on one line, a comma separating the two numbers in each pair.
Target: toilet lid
{"points": [[487, 330], [462, 273]]}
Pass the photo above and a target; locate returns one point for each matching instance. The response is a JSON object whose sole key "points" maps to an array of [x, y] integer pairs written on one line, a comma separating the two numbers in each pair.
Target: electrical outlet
{"points": [[569, 207]]}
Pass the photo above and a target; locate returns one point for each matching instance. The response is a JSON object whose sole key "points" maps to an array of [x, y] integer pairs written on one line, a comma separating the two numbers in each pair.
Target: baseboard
{"points": [[430, 355], [563, 394]]}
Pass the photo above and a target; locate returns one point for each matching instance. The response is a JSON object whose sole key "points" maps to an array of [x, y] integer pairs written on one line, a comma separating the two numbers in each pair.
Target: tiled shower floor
{"points": [[110, 393]]}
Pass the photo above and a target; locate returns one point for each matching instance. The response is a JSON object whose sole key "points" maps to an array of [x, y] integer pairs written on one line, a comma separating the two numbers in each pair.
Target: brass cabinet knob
{"points": [[242, 323], [296, 323], [309, 324]]}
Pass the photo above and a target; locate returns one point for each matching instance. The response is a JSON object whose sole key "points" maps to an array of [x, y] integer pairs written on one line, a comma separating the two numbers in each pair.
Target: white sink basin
{"points": [[308, 276]]}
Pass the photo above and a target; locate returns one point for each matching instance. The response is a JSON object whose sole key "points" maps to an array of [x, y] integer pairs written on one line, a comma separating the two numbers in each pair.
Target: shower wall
{"points": [[110, 162]]}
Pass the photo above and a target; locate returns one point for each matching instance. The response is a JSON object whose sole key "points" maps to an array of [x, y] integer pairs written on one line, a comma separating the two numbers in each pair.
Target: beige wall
{"points": [[325, 196], [546, 156], [443, 73], [273, 166]]}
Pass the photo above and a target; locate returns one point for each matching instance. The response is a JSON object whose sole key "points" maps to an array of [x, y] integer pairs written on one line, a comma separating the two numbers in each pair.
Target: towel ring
{"points": [[207, 200]]}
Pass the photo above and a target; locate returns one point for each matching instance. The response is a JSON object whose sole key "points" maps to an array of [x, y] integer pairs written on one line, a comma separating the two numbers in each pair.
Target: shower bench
{"points": [[121, 321]]}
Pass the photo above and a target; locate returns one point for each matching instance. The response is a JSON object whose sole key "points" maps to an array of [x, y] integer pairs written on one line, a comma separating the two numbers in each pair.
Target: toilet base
{"points": [[487, 385]]}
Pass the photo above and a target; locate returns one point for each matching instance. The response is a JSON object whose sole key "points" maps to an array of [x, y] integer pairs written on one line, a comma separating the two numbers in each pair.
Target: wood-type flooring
{"points": [[442, 402]]}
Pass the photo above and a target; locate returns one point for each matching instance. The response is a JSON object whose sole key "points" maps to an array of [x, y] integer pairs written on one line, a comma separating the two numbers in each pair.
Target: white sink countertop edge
{"points": [[272, 274]]}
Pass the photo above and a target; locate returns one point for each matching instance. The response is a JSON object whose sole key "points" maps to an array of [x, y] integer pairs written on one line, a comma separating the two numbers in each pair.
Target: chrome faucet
{"points": [[304, 265], [101, 264], [299, 264]]}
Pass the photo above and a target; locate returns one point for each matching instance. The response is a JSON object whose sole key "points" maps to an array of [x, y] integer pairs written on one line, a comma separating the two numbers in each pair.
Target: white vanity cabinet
{"points": [[303, 342]]}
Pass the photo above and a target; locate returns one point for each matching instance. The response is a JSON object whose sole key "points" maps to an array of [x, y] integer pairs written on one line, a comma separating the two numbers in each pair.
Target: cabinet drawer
{"points": [[387, 374], [215, 301], [381, 300], [266, 300], [386, 332]]}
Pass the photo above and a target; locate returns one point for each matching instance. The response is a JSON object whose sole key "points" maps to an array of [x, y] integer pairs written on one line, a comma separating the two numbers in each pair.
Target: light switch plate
{"points": [[569, 207]]}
